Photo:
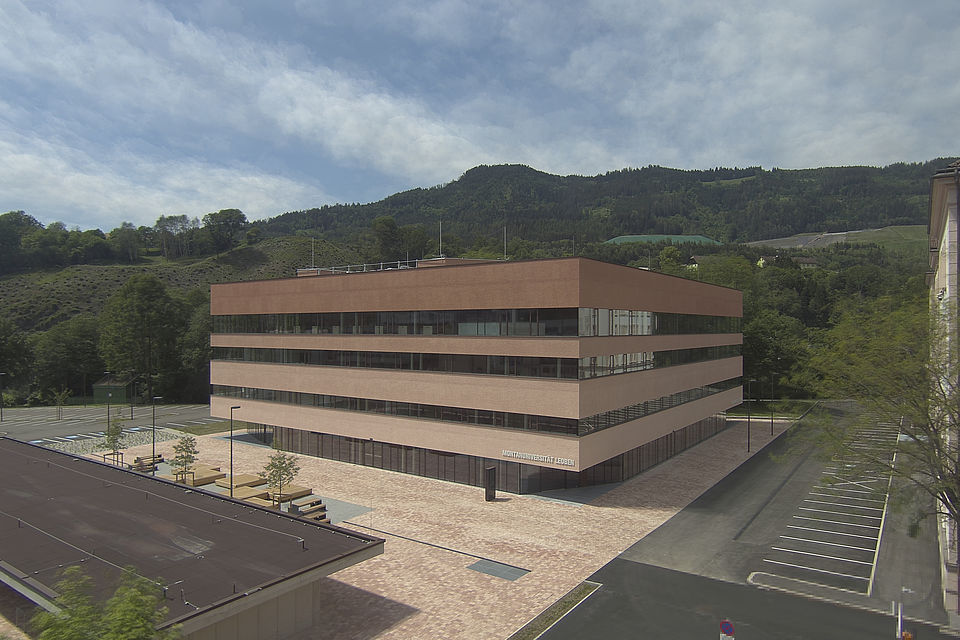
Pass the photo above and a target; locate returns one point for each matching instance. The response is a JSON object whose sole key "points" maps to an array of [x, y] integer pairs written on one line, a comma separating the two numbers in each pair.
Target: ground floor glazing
{"points": [[513, 477]]}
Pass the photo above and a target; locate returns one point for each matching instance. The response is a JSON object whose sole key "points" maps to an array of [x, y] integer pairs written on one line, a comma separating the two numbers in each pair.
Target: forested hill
{"points": [[729, 205]]}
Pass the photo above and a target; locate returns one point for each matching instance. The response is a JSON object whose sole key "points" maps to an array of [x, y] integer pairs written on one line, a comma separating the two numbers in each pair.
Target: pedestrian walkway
{"points": [[427, 583]]}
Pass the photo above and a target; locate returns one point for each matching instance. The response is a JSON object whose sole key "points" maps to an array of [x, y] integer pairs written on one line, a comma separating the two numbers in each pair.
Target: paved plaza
{"points": [[527, 551]]}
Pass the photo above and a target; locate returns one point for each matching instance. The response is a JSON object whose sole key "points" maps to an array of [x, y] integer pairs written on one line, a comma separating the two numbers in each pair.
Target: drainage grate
{"points": [[498, 569]]}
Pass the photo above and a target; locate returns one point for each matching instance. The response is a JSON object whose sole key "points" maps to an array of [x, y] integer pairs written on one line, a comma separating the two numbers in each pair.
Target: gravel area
{"points": [[87, 446]]}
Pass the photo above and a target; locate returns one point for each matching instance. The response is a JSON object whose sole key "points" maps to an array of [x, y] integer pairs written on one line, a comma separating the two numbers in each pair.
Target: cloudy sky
{"points": [[126, 110]]}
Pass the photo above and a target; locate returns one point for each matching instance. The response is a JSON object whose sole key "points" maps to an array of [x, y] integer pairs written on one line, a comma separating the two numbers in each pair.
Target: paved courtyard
{"points": [[422, 586]]}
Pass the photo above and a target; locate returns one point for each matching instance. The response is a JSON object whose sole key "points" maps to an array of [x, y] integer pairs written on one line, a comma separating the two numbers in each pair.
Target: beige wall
{"points": [[613, 286], [475, 440], [564, 282], [508, 285], [541, 396], [488, 442], [612, 392], [603, 445]]}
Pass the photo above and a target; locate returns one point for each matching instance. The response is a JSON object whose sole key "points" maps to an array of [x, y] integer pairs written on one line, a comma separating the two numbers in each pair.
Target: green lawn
{"points": [[205, 429]]}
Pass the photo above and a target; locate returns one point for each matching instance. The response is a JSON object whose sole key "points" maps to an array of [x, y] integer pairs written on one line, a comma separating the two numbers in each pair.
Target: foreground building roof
{"points": [[214, 558]]}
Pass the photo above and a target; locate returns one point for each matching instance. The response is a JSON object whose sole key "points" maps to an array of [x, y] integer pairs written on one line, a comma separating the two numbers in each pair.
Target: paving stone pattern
{"points": [[423, 587]]}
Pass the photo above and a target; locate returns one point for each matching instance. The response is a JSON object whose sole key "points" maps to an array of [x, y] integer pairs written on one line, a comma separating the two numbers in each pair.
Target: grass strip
{"points": [[205, 429], [554, 612]]}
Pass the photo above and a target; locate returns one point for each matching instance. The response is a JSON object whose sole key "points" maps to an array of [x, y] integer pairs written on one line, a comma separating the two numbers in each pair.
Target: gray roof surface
{"points": [[58, 510]]}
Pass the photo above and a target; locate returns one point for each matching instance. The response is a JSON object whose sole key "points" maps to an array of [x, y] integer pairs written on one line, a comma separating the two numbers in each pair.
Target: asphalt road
{"points": [[710, 561], [41, 423], [643, 601]]}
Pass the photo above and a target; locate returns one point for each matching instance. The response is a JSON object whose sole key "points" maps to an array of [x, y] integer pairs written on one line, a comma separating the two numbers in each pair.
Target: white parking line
{"points": [[842, 504], [836, 533], [846, 524], [837, 513], [830, 495], [175, 424], [831, 544], [820, 555], [800, 566]]}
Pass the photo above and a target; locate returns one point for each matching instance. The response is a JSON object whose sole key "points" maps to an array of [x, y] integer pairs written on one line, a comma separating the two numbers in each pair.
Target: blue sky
{"points": [[127, 110]]}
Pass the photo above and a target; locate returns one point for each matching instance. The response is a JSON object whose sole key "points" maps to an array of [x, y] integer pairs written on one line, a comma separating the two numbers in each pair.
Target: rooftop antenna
{"points": [[441, 238], [313, 243]]}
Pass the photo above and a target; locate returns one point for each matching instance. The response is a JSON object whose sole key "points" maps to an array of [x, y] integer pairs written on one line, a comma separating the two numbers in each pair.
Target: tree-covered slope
{"points": [[729, 205], [38, 300]]}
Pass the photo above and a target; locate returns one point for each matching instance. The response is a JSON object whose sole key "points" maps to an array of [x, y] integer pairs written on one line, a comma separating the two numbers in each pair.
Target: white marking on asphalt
{"points": [[830, 495], [837, 513], [820, 555], [800, 566], [842, 504], [832, 544], [175, 424], [846, 524]]}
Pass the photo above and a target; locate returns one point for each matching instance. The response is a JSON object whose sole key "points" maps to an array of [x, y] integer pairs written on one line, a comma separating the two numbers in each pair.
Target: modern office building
{"points": [[943, 230], [944, 297], [560, 373]]}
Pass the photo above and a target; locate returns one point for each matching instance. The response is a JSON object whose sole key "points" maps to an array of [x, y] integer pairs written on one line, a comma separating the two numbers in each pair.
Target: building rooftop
{"points": [[202, 549]]}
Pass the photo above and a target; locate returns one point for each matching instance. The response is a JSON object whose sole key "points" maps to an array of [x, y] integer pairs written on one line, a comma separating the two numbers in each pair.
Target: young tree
{"points": [[280, 471], [60, 397], [113, 439], [132, 613], [185, 454], [901, 368]]}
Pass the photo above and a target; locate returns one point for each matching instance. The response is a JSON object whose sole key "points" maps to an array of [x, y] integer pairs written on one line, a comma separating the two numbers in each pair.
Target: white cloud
{"points": [[114, 106], [56, 182]]}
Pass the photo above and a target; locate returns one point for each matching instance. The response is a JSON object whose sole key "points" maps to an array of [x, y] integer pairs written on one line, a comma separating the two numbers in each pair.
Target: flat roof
{"points": [[208, 550]]}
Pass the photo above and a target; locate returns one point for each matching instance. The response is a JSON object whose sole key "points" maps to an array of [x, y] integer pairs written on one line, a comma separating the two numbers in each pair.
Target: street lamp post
{"points": [[231, 448], [2, 401], [771, 405], [153, 452], [109, 395], [749, 393]]}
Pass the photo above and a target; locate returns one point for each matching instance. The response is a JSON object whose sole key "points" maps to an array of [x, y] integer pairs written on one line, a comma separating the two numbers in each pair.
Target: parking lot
{"points": [[833, 537], [40, 425]]}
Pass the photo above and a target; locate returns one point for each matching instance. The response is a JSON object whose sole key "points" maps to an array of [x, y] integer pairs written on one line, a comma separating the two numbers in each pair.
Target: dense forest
{"points": [[728, 205], [78, 303]]}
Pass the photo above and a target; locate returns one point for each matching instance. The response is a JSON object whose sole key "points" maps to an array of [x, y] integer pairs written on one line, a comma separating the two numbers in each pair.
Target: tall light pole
{"points": [[2, 401], [749, 393], [231, 448], [771, 404], [153, 452]]}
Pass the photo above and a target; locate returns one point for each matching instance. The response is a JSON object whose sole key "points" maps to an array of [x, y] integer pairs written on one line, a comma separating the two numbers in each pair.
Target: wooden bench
{"points": [[245, 493], [241, 480], [290, 492], [143, 466], [313, 509], [307, 504], [260, 502], [324, 519], [196, 476], [149, 459]]}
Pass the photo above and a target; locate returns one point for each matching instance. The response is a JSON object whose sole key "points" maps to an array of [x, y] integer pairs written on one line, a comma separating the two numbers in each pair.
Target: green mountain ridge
{"points": [[38, 300], [728, 205]]}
